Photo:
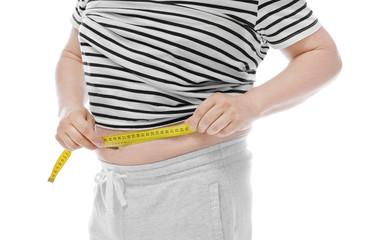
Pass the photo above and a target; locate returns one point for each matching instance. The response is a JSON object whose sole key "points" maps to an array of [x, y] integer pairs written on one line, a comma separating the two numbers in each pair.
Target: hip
{"points": [[204, 194]]}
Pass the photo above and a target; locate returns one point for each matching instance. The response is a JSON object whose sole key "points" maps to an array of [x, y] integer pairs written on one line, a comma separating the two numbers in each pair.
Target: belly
{"points": [[158, 150]]}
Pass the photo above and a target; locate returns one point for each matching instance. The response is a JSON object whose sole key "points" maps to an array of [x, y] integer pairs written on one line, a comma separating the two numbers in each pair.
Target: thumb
{"points": [[187, 120]]}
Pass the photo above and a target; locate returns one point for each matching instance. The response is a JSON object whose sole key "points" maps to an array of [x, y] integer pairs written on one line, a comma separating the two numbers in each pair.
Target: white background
{"points": [[316, 167]]}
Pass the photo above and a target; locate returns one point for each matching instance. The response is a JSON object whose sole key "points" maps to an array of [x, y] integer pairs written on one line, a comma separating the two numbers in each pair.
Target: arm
{"points": [[76, 126], [70, 82], [314, 62]]}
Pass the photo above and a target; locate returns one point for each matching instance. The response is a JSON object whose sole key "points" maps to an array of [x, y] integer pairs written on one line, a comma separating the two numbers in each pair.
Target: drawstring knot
{"points": [[113, 181]]}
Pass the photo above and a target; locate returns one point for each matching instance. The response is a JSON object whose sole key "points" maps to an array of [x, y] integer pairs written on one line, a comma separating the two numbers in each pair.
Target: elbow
{"points": [[334, 61], [338, 63], [68, 54]]}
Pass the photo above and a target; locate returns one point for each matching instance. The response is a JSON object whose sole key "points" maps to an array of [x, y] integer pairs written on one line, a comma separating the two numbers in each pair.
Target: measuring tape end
{"points": [[123, 139]]}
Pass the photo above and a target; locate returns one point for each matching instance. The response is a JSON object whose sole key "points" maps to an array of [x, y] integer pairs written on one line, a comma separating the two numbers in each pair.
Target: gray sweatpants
{"points": [[201, 195]]}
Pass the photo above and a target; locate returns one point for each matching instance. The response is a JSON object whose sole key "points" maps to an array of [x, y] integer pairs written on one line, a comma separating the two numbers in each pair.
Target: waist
{"points": [[161, 149]]}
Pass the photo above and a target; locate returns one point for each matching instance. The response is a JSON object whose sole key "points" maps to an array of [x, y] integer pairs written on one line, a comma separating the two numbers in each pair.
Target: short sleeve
{"points": [[76, 16], [282, 23]]}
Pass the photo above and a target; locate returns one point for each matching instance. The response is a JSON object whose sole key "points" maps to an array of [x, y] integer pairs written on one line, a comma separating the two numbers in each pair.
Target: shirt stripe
{"points": [[150, 63]]}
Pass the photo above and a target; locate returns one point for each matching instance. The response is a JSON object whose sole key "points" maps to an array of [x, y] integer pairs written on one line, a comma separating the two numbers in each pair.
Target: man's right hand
{"points": [[76, 130]]}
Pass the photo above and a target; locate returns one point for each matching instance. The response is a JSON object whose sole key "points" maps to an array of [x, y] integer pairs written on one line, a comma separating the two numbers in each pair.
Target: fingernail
{"points": [[100, 145]]}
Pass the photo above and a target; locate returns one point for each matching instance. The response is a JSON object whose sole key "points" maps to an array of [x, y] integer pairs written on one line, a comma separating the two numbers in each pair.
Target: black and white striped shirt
{"points": [[150, 63]]}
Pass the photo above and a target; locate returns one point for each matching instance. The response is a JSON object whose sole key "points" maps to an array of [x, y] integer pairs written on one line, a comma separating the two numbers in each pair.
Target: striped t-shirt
{"points": [[150, 63]]}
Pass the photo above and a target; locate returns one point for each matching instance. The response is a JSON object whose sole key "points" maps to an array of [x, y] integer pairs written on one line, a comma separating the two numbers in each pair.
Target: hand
{"points": [[222, 114], [76, 130]]}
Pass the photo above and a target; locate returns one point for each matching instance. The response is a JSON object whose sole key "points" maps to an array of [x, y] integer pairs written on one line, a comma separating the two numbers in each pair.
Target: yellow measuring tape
{"points": [[123, 139]]}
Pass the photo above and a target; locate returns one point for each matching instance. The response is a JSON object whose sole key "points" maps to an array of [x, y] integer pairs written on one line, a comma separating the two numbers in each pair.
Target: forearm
{"points": [[305, 75], [70, 83]]}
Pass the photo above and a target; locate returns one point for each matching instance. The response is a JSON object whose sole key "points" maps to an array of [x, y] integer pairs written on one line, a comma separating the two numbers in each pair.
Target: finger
{"points": [[218, 125], [79, 139], [199, 112], [209, 118], [62, 143], [70, 143], [90, 119], [60, 136], [88, 131], [226, 131], [187, 120]]}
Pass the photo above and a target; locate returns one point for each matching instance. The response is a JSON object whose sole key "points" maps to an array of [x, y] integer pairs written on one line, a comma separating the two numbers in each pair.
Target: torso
{"points": [[158, 150]]}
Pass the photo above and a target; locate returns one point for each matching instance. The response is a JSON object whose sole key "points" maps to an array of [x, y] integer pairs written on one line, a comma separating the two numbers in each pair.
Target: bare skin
{"points": [[157, 150], [218, 118]]}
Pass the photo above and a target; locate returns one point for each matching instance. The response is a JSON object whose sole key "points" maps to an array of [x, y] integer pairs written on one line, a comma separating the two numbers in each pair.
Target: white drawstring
{"points": [[113, 180]]}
